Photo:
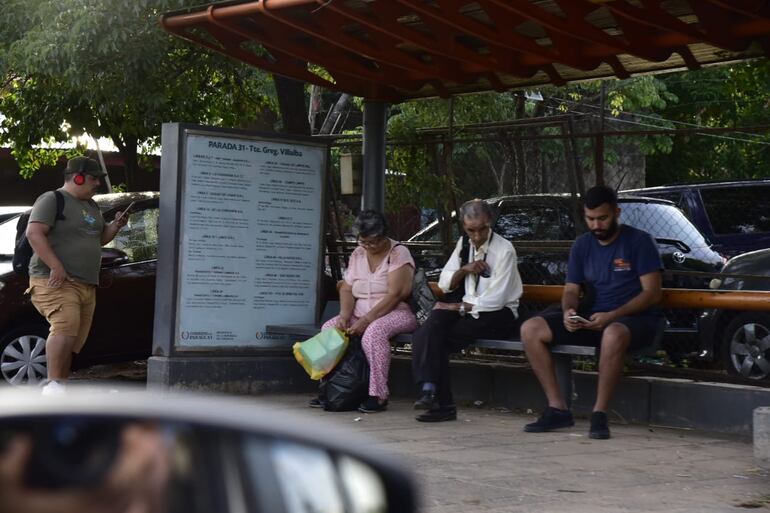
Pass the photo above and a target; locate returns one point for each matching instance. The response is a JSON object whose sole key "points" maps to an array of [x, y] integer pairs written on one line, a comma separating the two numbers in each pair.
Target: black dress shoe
{"points": [[427, 401], [440, 414]]}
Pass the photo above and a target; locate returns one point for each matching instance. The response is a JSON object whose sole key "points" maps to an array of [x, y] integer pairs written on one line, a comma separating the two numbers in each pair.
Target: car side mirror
{"points": [[112, 257], [165, 452]]}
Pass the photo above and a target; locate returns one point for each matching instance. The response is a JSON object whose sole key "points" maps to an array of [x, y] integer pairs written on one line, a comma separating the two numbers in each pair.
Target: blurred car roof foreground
{"points": [[130, 450]]}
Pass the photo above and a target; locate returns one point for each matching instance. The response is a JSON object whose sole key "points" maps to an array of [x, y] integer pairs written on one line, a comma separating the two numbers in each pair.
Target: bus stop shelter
{"points": [[390, 51]]}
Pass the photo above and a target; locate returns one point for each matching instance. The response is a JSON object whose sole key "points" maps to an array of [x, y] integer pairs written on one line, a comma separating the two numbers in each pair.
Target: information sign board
{"points": [[250, 224]]}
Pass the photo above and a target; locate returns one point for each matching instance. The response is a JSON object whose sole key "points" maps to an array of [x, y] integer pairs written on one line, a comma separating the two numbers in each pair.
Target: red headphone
{"points": [[79, 177]]}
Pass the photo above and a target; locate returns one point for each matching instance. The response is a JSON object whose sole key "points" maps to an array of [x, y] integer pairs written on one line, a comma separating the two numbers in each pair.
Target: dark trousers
{"points": [[446, 332]]}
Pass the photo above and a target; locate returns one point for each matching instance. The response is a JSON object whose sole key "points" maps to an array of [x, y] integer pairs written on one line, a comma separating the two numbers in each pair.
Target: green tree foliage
{"points": [[414, 166], [105, 67], [723, 96], [511, 160]]}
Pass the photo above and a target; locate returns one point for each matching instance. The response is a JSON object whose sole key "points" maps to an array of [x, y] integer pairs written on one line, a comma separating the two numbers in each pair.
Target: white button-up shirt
{"points": [[502, 289]]}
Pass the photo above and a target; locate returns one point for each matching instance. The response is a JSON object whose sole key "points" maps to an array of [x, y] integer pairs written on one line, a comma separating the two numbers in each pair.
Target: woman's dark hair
{"points": [[599, 195], [370, 223]]}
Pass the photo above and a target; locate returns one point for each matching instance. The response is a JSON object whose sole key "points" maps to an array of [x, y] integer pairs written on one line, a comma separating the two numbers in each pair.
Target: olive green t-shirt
{"points": [[76, 240]]}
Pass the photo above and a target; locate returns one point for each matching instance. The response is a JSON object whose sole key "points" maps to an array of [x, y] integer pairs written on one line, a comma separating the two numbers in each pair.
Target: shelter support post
{"points": [[373, 186]]}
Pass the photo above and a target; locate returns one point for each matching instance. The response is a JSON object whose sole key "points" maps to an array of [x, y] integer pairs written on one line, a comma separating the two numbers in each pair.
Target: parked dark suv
{"points": [[543, 227], [734, 216], [740, 340]]}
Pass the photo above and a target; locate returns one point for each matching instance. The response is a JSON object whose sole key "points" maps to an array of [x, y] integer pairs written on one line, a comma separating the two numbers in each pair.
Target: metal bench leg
{"points": [[563, 367]]}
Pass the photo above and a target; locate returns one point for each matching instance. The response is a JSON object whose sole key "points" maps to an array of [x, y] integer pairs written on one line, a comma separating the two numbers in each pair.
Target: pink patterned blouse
{"points": [[370, 287]]}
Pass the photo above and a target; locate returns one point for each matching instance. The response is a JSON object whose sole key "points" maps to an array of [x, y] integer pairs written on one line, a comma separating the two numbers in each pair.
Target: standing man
{"points": [[485, 273], [620, 267], [64, 269]]}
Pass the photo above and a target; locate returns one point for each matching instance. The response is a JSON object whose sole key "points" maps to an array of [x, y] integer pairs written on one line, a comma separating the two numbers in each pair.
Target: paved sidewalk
{"points": [[484, 462]]}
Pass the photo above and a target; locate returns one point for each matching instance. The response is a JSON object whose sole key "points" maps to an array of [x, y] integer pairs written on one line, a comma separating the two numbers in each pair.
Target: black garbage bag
{"points": [[347, 386]]}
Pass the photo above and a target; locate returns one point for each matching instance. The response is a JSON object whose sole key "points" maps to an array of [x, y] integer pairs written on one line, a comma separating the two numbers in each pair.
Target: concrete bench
{"points": [[562, 354]]}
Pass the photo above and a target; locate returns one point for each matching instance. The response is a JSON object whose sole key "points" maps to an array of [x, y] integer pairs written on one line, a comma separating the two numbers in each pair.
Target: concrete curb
{"points": [[681, 403]]}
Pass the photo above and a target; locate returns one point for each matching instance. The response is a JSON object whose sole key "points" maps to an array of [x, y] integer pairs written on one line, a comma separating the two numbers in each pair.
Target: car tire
{"points": [[746, 346], [22, 355]]}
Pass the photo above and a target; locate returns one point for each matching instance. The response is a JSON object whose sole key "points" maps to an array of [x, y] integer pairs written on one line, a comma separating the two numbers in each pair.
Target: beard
{"points": [[608, 233]]}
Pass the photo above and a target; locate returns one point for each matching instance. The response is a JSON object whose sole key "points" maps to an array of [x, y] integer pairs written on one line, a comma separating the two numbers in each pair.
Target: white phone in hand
{"points": [[124, 213], [579, 319]]}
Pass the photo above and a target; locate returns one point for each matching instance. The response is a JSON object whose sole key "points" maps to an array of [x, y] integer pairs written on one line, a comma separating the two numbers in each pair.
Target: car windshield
{"points": [[139, 239], [8, 237], [662, 222], [752, 216], [432, 233]]}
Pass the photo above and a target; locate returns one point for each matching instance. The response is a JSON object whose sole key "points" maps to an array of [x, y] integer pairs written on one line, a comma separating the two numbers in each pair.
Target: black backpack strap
{"points": [[465, 250], [59, 206]]}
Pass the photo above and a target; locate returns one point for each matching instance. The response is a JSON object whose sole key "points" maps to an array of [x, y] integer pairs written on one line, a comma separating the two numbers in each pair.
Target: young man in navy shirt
{"points": [[619, 268]]}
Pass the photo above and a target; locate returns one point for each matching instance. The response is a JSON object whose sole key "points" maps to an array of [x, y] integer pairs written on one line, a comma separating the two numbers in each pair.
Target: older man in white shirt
{"points": [[483, 273]]}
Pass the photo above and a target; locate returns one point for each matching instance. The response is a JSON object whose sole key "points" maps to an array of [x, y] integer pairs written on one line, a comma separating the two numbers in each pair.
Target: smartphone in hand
{"points": [[577, 318], [127, 211]]}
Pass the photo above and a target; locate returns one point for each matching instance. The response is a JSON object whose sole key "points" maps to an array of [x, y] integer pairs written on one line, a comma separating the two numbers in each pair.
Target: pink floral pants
{"points": [[376, 345]]}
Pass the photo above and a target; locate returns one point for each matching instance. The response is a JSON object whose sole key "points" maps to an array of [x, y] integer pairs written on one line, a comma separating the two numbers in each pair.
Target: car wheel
{"points": [[22, 355], [746, 346]]}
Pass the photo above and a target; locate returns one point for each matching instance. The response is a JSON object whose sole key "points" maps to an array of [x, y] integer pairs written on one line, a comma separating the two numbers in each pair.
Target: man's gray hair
{"points": [[370, 223], [476, 208]]}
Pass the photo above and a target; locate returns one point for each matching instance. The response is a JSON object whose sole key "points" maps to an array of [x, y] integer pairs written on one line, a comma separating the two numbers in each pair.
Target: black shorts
{"points": [[643, 328]]}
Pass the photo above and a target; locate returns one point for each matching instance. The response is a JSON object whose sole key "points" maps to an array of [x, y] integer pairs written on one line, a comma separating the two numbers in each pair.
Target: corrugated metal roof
{"points": [[400, 49]]}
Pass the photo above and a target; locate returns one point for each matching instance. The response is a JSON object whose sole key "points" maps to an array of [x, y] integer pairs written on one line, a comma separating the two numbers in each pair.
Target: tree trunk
{"points": [[534, 161], [291, 100], [332, 119], [127, 147], [315, 107], [520, 169]]}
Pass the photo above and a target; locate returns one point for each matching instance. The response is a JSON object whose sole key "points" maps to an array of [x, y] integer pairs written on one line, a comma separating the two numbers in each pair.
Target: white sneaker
{"points": [[53, 388]]}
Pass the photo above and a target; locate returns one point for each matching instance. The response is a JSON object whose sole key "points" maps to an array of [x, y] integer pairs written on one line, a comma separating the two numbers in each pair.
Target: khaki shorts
{"points": [[69, 308]]}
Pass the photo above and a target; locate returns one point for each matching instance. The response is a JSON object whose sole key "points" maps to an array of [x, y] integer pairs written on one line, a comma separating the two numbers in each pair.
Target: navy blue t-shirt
{"points": [[613, 270]]}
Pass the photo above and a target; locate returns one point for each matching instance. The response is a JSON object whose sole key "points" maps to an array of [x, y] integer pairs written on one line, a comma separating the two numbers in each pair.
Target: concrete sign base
{"points": [[236, 374]]}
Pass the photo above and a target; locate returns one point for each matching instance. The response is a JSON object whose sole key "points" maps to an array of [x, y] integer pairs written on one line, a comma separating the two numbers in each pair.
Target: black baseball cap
{"points": [[84, 165]]}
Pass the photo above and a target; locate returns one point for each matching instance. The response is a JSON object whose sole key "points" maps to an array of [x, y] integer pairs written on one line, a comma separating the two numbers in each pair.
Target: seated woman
{"points": [[377, 282]]}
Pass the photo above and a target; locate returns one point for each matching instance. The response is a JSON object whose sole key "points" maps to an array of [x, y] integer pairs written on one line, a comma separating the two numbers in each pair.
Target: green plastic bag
{"points": [[318, 355]]}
